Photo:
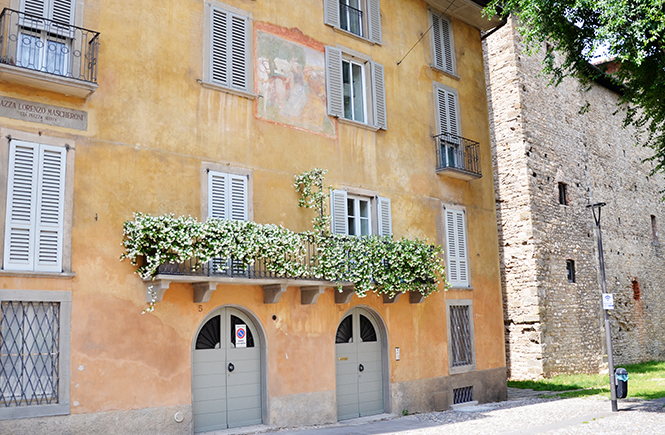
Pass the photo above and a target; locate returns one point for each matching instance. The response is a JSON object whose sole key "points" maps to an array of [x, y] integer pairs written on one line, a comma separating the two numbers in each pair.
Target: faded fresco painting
{"points": [[291, 82]]}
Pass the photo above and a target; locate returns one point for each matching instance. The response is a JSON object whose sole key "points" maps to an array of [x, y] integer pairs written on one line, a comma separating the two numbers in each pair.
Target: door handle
{"points": [[361, 367], [231, 367]]}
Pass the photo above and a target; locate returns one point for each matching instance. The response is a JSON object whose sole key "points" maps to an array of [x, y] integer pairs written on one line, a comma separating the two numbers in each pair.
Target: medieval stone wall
{"points": [[542, 138]]}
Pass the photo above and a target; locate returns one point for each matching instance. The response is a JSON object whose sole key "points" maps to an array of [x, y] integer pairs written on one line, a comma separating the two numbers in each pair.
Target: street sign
{"points": [[608, 301], [241, 336]]}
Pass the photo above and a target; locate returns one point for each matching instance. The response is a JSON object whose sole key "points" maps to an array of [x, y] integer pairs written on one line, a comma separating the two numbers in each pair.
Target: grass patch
{"points": [[646, 381]]}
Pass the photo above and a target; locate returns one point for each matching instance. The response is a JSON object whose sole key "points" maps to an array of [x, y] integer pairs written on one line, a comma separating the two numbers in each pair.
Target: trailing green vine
{"points": [[371, 263]]}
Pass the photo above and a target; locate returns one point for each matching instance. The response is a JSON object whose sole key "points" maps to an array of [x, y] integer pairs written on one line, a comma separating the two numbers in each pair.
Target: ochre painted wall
{"points": [[152, 125]]}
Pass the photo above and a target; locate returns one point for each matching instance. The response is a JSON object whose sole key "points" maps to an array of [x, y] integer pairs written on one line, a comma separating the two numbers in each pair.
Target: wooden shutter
{"points": [[229, 47], [384, 216], [379, 95], [340, 224], [442, 44], [62, 11], [457, 248], [238, 197], [331, 12], [21, 201], [334, 82], [447, 112], [218, 204], [374, 20], [35, 7], [50, 209]]}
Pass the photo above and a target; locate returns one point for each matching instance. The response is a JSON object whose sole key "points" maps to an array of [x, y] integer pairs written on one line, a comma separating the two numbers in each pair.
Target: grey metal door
{"points": [[359, 365], [226, 378]]}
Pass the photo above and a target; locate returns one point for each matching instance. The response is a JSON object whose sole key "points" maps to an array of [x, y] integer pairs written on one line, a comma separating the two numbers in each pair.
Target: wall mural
{"points": [[291, 78]]}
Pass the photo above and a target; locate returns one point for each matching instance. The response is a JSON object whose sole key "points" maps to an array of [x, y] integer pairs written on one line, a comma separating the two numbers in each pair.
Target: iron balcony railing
{"points": [[49, 46], [456, 152], [350, 18]]}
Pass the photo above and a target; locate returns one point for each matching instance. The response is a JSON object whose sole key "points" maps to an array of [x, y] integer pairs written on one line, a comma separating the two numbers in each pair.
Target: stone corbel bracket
{"points": [[344, 296], [158, 286], [416, 298], [391, 300], [310, 294], [272, 293], [203, 291]]}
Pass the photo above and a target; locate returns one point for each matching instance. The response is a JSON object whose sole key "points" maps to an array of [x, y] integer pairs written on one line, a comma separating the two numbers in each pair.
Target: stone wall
{"points": [[541, 138]]}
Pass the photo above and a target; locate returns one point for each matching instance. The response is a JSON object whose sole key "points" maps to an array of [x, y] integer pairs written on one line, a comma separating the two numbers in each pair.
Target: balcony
{"points": [[457, 157], [47, 54], [205, 278]]}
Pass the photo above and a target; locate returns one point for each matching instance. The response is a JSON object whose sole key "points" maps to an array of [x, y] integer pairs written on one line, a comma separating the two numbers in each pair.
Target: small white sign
{"points": [[397, 354], [241, 336], [608, 301]]}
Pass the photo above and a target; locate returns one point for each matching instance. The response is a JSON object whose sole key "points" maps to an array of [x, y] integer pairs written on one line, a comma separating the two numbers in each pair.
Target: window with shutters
{"points": [[461, 347], [228, 49], [34, 353], [358, 17], [443, 50], [46, 45], [456, 246], [448, 128], [35, 204], [355, 215], [227, 196], [356, 88]]}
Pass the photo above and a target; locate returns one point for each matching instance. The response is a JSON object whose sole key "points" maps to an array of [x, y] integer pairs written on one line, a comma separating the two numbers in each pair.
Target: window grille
{"points": [[462, 395], [460, 334], [29, 353]]}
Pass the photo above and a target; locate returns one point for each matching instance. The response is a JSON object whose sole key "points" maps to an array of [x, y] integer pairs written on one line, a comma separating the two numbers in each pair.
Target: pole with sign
{"points": [[608, 304]]}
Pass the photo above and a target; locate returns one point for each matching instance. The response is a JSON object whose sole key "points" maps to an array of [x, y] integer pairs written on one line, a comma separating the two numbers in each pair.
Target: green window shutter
{"points": [[331, 12], [379, 95], [384, 216], [334, 82], [50, 209], [457, 248], [374, 21], [340, 224], [229, 50], [19, 251]]}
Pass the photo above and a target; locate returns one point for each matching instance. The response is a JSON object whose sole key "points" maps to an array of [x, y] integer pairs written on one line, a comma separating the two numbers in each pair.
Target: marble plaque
{"points": [[43, 113]]}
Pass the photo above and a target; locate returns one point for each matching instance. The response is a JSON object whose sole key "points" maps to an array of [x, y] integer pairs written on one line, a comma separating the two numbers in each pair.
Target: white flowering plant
{"points": [[371, 263]]}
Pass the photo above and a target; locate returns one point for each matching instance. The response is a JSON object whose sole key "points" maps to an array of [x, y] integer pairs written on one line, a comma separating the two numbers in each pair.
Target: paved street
{"points": [[524, 415]]}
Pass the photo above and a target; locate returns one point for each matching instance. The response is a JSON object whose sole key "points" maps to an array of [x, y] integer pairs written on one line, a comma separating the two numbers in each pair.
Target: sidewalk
{"points": [[523, 414]]}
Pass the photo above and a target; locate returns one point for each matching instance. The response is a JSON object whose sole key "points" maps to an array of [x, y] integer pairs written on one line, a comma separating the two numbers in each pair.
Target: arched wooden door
{"points": [[226, 372], [359, 363]]}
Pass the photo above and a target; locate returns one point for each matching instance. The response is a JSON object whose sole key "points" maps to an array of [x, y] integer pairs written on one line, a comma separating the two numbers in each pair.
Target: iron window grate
{"points": [[460, 333], [462, 395], [29, 351]]}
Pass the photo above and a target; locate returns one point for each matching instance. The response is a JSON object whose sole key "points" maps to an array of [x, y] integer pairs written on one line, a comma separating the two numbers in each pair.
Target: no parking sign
{"points": [[241, 336]]}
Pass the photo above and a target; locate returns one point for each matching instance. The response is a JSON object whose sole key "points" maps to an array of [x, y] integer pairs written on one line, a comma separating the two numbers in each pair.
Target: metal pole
{"points": [[608, 332]]}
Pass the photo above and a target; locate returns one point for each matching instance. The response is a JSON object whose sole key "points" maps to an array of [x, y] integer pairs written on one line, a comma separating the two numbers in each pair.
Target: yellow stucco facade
{"points": [[152, 130]]}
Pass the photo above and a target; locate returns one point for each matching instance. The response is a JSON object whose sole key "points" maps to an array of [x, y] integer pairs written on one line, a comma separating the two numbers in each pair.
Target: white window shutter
{"points": [[452, 114], [21, 203], [239, 52], [379, 95], [334, 82], [384, 216], [219, 63], [331, 12], [62, 11], [238, 197], [374, 20], [34, 7], [447, 45], [340, 224], [50, 208], [218, 187], [457, 248], [437, 43], [447, 112]]}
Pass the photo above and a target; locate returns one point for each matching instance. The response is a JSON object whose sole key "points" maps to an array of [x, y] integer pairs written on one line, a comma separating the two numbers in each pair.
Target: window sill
{"points": [[460, 288], [355, 36], [462, 369], [30, 274], [357, 124], [238, 92], [45, 81], [445, 73]]}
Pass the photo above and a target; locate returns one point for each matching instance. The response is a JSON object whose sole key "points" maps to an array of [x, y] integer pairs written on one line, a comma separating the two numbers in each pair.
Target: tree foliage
{"points": [[632, 32]]}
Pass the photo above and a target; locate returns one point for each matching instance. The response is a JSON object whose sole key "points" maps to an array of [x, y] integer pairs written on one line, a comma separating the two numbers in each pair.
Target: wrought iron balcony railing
{"points": [[38, 44], [350, 18], [457, 154]]}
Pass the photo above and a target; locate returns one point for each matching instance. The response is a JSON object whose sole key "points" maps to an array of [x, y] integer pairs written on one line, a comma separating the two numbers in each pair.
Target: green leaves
{"points": [[631, 32]]}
